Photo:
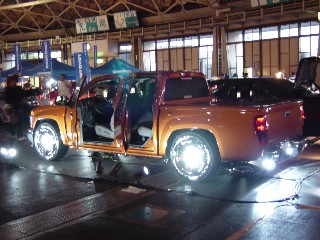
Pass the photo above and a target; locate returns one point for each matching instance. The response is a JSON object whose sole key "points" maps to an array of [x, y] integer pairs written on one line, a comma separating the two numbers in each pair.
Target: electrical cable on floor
{"points": [[291, 198]]}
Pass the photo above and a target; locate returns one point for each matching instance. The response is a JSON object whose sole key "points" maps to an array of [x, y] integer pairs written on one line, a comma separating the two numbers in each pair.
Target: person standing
{"points": [[64, 86], [15, 107]]}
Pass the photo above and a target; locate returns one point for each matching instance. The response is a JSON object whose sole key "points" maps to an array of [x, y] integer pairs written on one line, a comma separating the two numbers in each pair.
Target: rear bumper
{"points": [[285, 150]]}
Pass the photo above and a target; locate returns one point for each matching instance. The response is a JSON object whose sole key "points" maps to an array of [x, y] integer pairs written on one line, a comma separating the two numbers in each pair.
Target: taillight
{"points": [[261, 129]]}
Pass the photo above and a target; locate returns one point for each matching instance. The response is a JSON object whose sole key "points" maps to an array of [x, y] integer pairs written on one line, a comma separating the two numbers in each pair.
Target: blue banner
{"points": [[88, 69], [95, 56], [85, 47], [80, 66], [17, 53], [46, 50]]}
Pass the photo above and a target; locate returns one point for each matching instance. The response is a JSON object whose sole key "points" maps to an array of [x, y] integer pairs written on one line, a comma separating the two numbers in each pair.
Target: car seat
{"points": [[105, 131]]}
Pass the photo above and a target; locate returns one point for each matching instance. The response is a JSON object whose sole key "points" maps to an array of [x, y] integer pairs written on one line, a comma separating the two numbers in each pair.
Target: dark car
{"points": [[305, 87]]}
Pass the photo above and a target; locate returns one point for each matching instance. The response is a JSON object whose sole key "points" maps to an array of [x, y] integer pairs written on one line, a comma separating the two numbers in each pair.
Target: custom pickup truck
{"points": [[167, 116]]}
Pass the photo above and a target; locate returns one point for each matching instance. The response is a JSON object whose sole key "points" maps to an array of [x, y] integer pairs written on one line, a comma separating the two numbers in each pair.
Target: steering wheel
{"points": [[102, 105], [86, 114]]}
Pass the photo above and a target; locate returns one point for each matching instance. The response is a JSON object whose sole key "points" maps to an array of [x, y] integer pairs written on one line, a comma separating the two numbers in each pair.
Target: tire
{"points": [[194, 155], [53, 149]]}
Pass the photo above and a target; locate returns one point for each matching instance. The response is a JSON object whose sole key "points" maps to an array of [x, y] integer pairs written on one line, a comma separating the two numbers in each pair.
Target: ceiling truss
{"points": [[27, 22]]}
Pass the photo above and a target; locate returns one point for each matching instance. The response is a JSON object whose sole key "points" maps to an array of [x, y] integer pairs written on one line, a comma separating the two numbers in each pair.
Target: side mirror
{"points": [[61, 101]]}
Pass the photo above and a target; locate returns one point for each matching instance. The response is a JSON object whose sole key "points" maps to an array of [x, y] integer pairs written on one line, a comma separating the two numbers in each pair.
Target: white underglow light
{"points": [[290, 150], [12, 152], [146, 170], [269, 164], [4, 151], [192, 157]]}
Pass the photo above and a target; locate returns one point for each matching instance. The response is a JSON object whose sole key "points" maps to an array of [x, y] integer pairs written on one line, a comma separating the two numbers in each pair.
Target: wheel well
{"points": [[50, 121], [204, 133]]}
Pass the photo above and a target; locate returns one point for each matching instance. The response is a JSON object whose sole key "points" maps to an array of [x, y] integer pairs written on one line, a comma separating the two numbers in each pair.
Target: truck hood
{"points": [[308, 72]]}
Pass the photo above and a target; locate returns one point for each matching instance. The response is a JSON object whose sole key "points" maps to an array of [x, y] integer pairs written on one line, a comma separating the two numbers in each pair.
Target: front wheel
{"points": [[194, 155], [48, 143]]}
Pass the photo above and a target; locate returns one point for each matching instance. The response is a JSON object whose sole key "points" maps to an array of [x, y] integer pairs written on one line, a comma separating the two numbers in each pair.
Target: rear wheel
{"points": [[48, 143], [194, 155]]}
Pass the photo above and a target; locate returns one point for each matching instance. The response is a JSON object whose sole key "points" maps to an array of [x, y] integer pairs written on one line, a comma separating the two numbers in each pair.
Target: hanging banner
{"points": [[85, 47], [95, 56], [17, 54], [92, 24], [79, 65], [88, 69], [126, 19], [46, 50]]}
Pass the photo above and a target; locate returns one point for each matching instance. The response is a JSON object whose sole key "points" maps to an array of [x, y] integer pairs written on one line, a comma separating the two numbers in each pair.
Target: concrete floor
{"points": [[66, 199]]}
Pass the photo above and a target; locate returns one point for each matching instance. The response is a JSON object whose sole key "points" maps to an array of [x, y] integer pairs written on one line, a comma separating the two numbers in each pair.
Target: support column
{"points": [[224, 57], [215, 57], [136, 52]]}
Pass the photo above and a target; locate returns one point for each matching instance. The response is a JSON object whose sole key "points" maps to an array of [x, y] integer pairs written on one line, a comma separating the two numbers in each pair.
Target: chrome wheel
{"points": [[193, 156], [47, 142]]}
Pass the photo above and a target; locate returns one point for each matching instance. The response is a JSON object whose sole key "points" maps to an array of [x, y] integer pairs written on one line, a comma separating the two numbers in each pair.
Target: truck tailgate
{"points": [[284, 121]]}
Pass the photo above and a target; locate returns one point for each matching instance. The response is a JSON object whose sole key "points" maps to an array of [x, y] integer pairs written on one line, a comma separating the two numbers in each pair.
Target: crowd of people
{"points": [[15, 110]]}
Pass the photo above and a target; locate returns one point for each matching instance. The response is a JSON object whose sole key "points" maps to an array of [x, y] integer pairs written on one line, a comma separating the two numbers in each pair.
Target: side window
{"points": [[186, 87]]}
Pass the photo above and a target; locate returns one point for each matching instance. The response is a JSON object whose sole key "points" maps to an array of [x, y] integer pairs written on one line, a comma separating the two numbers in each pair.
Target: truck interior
{"points": [[97, 110]]}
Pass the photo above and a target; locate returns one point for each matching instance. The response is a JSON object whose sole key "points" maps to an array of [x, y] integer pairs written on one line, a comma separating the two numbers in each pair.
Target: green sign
{"points": [[127, 19], [92, 24], [259, 3]]}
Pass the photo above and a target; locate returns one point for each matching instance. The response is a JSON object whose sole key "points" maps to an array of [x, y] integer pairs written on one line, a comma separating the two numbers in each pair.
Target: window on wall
{"points": [[33, 57], [206, 40], [308, 33], [54, 54], [125, 52], [191, 41], [289, 30], [176, 43], [148, 46], [205, 55], [149, 56], [309, 28], [269, 32], [235, 37], [162, 44], [235, 63], [149, 61], [309, 39], [205, 60], [251, 35], [204, 43]]}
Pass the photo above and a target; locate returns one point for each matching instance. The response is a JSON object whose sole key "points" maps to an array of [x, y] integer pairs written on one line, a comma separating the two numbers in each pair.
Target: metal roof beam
{"points": [[28, 4]]}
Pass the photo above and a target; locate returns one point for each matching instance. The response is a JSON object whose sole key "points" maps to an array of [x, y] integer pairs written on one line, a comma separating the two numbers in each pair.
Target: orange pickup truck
{"points": [[167, 116]]}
